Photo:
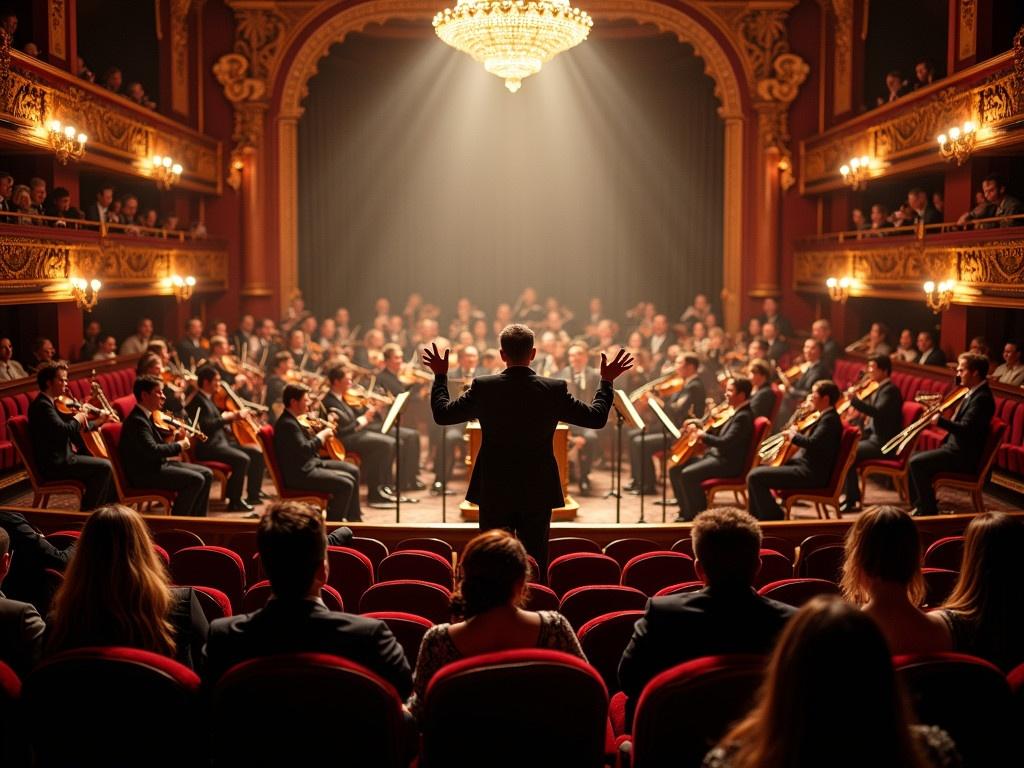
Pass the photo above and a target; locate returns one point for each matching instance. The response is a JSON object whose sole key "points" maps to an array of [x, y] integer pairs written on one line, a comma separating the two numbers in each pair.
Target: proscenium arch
{"points": [[312, 40]]}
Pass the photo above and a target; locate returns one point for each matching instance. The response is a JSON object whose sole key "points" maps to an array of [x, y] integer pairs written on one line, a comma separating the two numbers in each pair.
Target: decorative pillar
{"points": [[732, 215], [288, 206]]}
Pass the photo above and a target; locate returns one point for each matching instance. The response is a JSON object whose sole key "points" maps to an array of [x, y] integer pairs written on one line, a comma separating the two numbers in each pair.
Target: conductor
{"points": [[515, 477]]}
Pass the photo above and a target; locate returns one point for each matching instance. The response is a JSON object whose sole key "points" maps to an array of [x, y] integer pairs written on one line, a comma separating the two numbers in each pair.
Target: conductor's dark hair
{"points": [[205, 373], [882, 362], [293, 392], [145, 385], [516, 342], [47, 373]]}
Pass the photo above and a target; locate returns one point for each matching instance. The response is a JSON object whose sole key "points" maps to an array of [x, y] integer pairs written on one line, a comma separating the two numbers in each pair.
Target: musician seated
{"points": [[227, 366], [726, 455], [813, 369], [151, 364], [583, 382], [883, 410], [776, 346], [961, 450], [193, 348], [811, 466], [145, 453], [762, 397], [300, 351], [246, 461], [822, 331], [298, 455], [359, 429], [53, 434], [276, 382], [687, 403]]}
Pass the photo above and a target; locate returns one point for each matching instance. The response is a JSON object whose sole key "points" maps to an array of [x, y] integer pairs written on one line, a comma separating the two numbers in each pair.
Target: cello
{"points": [[92, 438], [246, 429], [332, 448]]}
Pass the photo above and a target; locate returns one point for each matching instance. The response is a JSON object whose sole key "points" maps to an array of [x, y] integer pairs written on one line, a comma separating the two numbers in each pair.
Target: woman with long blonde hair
{"points": [[116, 592]]}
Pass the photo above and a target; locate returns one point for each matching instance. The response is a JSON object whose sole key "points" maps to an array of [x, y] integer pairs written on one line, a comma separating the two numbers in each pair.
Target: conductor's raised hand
{"points": [[610, 371], [433, 360]]}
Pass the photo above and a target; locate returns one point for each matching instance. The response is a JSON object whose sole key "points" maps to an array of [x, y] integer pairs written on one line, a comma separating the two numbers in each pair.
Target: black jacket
{"points": [[297, 451], [21, 635], [732, 444], [933, 356], [348, 417], [815, 373], [820, 445], [885, 409], [143, 450], [762, 402], [32, 554], [190, 353], [968, 430], [296, 626], [591, 379], [518, 412], [52, 433], [211, 422], [688, 403]]}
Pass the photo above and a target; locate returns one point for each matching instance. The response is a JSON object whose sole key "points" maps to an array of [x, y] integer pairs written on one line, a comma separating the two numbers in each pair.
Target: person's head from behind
{"points": [[293, 549], [883, 550], [493, 572], [5, 554], [831, 665], [727, 546], [517, 345], [115, 590]]}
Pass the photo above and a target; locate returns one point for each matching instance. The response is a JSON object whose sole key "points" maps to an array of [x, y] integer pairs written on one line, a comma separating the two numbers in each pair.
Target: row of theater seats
{"points": [[123, 706]]}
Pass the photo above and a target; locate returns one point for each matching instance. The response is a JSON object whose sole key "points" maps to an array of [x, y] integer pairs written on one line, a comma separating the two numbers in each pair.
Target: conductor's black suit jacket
{"points": [[518, 412]]}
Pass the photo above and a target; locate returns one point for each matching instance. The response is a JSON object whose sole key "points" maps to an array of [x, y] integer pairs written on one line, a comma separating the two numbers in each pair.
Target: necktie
{"points": [[582, 382]]}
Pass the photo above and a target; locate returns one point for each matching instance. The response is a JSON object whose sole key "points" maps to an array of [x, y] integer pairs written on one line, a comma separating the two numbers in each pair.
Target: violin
{"points": [[93, 440], [168, 425], [669, 387], [793, 372], [689, 444], [860, 390], [358, 397], [332, 448], [776, 450], [246, 430]]}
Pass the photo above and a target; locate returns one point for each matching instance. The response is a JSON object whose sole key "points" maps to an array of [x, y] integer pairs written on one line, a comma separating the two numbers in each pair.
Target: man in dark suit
{"points": [[145, 454], [298, 455], [928, 352], [796, 391], [688, 403], [727, 616], [276, 382], [770, 313], [25, 579], [725, 457], [191, 349], [245, 461], [99, 210], [762, 397], [53, 433], [884, 419], [515, 477], [242, 340], [583, 380], [962, 448], [822, 331], [21, 626], [293, 552], [776, 346], [813, 463]]}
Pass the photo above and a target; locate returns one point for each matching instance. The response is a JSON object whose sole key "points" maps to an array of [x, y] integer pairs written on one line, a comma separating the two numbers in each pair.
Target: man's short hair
{"points": [[391, 349], [761, 344], [762, 367], [975, 363], [292, 545], [996, 179], [145, 385], [47, 373], [691, 359], [817, 345], [743, 386], [916, 191], [59, 193], [827, 388], [293, 392], [206, 373], [147, 359], [882, 362], [727, 542], [516, 342], [280, 357], [335, 373]]}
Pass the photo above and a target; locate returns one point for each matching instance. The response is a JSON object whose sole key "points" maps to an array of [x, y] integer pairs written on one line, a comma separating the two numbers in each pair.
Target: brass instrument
{"points": [[936, 404]]}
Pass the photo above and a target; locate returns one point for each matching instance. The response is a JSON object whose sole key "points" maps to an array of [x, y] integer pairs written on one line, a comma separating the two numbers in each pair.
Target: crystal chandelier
{"points": [[513, 39]]}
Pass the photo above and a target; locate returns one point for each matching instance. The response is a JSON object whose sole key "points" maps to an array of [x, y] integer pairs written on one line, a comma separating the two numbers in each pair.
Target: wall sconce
{"points": [[938, 297], [182, 286], [67, 142], [839, 288], [958, 142], [165, 171], [855, 172], [86, 293]]}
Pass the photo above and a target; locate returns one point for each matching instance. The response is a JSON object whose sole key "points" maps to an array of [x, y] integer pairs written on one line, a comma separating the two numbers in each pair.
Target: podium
{"points": [[560, 446]]}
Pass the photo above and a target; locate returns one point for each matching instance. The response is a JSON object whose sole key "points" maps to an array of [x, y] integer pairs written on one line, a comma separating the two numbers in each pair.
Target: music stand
{"points": [[394, 418], [625, 411], [667, 427]]}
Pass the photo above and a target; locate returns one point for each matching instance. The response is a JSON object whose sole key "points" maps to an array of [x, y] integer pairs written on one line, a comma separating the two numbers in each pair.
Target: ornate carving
{"points": [[57, 28], [968, 34], [1018, 53], [231, 71], [842, 62], [180, 51], [764, 39]]}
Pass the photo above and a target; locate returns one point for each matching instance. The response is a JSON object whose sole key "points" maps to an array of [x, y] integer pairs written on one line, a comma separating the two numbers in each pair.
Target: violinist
{"points": [[883, 412], [388, 378], [145, 453], [821, 330], [687, 403], [359, 429], [763, 395], [193, 348], [584, 381], [962, 448], [302, 469], [814, 370], [152, 364], [265, 346], [812, 463], [725, 457], [276, 382], [243, 340], [245, 461], [53, 434], [300, 351]]}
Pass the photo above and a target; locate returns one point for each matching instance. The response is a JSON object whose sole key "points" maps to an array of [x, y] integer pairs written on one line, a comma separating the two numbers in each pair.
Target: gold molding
{"points": [[180, 50], [56, 28], [967, 43], [842, 60]]}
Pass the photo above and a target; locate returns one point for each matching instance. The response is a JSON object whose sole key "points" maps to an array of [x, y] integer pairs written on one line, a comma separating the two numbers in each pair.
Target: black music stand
{"points": [[394, 418], [625, 411], [667, 428]]}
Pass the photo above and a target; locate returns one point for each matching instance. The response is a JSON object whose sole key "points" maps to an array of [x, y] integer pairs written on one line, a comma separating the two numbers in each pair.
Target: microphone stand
{"points": [[643, 476]]}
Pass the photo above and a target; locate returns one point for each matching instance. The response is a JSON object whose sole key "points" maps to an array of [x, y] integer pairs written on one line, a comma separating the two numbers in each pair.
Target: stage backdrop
{"points": [[420, 172]]}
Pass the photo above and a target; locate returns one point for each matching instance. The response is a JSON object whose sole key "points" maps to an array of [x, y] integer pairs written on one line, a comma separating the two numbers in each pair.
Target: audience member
{"points": [[878, 339], [9, 24], [924, 73], [100, 209], [1011, 371], [996, 203], [21, 200], [58, 205], [10, 369], [6, 185], [42, 352], [139, 341], [26, 580], [918, 210], [882, 574], [107, 349], [984, 616], [90, 340], [83, 70], [112, 80], [879, 219], [938, 202], [858, 220], [928, 353], [832, 667], [116, 592], [21, 626], [770, 313], [727, 616], [906, 350], [293, 552], [895, 86], [493, 584], [135, 92], [37, 190]]}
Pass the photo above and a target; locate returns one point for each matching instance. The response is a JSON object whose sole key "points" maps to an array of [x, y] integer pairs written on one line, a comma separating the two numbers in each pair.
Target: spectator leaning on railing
{"points": [[997, 204]]}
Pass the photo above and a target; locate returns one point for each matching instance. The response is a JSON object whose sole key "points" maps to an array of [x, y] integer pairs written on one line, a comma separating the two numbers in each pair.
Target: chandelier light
{"points": [[855, 171], [86, 293], [67, 142], [839, 288], [957, 143], [165, 171], [938, 297], [181, 286], [513, 40]]}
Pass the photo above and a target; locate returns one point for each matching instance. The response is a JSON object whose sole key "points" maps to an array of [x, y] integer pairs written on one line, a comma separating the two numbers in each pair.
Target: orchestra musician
{"points": [[276, 382], [725, 457], [687, 403], [884, 419], [145, 453], [763, 396], [962, 448], [151, 364], [298, 454], [301, 352], [193, 348], [388, 378], [583, 382], [797, 391], [813, 462], [243, 340], [245, 461], [822, 331], [53, 434]]}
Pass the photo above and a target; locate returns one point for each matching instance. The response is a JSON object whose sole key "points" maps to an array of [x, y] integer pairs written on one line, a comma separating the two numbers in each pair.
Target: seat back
{"points": [[762, 427], [266, 435], [681, 588], [540, 598], [579, 569], [683, 545], [17, 428], [111, 434], [996, 433], [208, 566], [823, 563], [652, 571], [215, 604], [474, 704], [603, 640], [123, 405], [114, 706], [12, 747], [174, 539], [624, 550], [427, 544], [374, 549], [774, 566], [567, 545], [431, 601], [582, 604], [370, 728], [350, 572], [417, 564], [796, 592], [947, 553], [408, 629], [844, 460], [938, 585], [257, 595], [684, 711], [778, 403]]}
